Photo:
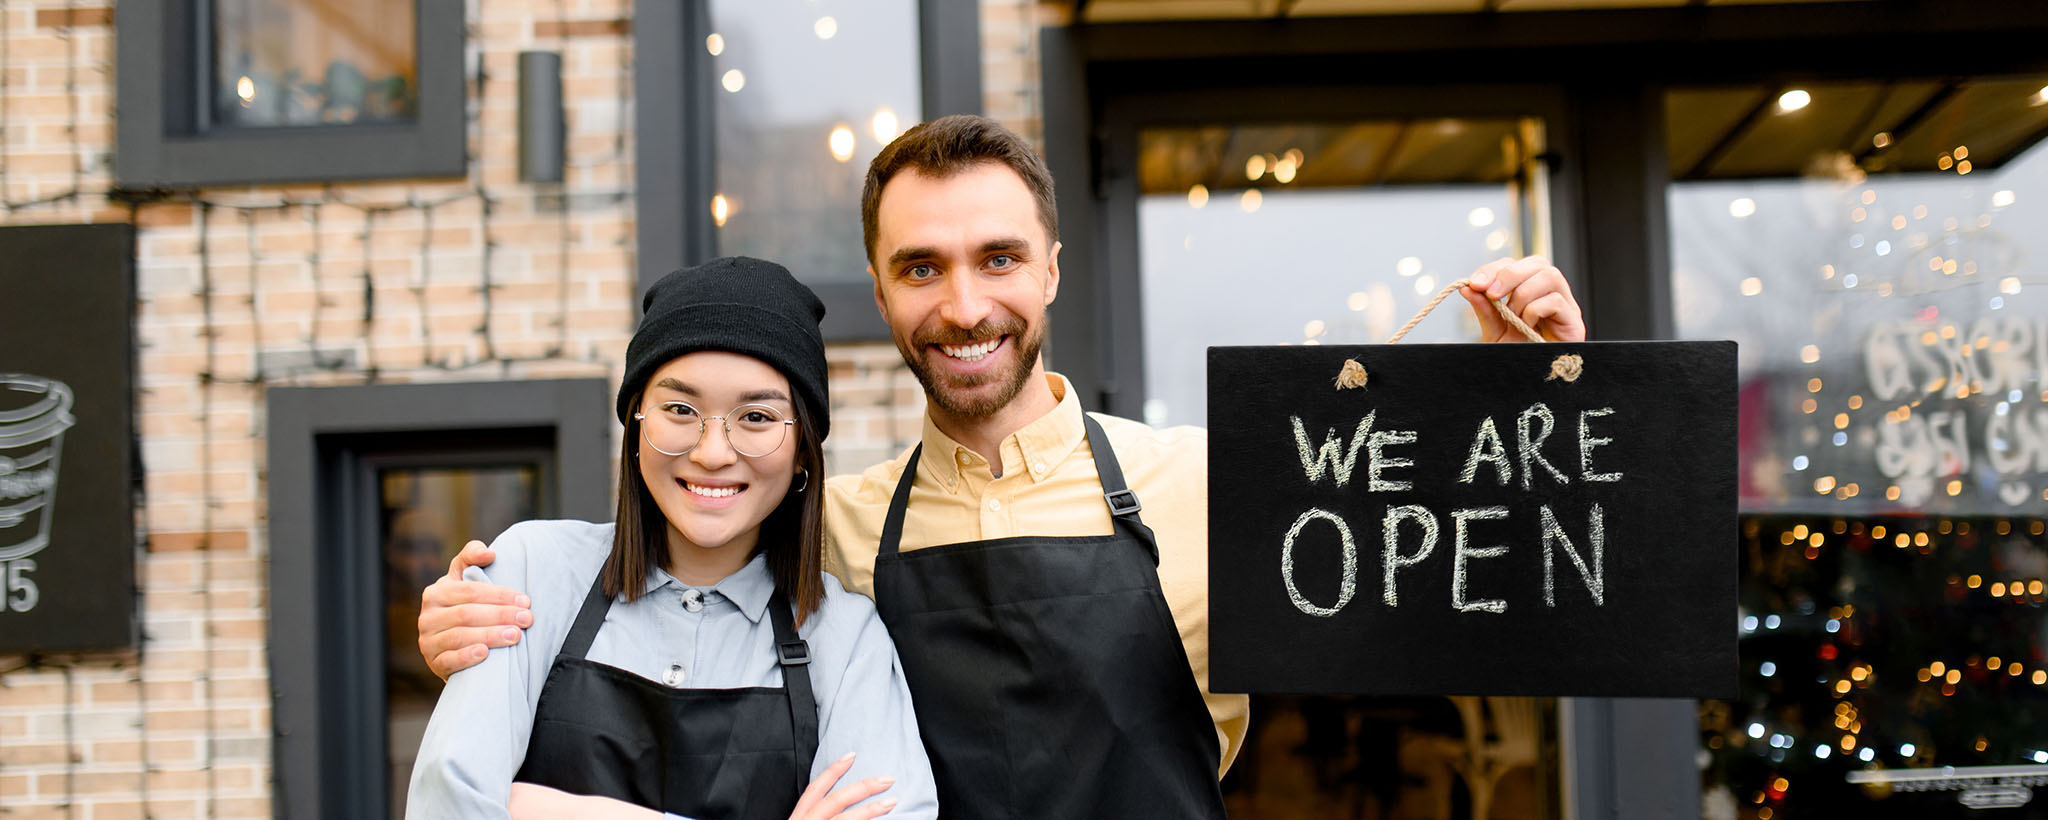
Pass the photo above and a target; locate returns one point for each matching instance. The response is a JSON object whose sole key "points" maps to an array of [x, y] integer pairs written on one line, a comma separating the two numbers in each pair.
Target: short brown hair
{"points": [[793, 535], [947, 146]]}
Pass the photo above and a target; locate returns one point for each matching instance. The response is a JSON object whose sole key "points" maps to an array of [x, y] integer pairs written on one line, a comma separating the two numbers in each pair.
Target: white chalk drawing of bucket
{"points": [[34, 413]]}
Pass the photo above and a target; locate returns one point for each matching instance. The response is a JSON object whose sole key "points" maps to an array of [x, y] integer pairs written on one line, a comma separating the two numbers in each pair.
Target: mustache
{"points": [[987, 329]]}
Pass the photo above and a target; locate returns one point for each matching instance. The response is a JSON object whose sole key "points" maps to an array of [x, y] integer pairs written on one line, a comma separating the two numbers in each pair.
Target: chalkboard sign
{"points": [[67, 531], [1473, 519]]}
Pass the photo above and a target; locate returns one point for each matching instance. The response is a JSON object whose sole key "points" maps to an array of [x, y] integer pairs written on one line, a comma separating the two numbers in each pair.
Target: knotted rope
{"points": [[1567, 367]]}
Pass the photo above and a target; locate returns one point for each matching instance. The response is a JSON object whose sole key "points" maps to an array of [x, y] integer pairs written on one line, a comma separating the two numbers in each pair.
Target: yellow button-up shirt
{"points": [[1049, 488]]}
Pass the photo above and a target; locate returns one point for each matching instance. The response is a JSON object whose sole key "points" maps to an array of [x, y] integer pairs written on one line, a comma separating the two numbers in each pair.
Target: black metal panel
{"points": [[1808, 37], [543, 132], [160, 143], [1074, 349], [949, 57], [658, 138], [1626, 270], [321, 703]]}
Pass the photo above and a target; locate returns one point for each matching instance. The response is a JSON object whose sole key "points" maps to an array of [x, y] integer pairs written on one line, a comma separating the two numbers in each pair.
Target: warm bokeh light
{"points": [[841, 143]]}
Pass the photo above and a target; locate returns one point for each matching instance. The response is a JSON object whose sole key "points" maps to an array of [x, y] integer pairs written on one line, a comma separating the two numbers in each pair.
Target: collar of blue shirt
{"points": [[748, 589]]}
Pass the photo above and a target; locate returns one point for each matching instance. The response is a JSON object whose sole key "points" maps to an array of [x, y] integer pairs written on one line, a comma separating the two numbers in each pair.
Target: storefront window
{"points": [[306, 62], [1886, 290], [809, 93], [1363, 223]]}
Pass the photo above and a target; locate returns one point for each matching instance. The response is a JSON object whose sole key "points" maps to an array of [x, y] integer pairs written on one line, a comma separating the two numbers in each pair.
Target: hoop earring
{"points": [[806, 474]]}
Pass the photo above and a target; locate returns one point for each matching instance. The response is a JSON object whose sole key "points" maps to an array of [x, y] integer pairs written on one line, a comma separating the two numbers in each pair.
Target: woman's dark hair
{"points": [[792, 535]]}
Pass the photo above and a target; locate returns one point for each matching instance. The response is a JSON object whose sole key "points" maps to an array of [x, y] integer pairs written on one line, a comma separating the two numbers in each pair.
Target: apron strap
{"points": [[795, 657], [588, 619], [892, 526], [1123, 504]]}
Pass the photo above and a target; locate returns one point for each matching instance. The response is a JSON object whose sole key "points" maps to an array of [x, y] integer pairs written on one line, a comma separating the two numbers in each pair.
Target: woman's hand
{"points": [[819, 802], [531, 802]]}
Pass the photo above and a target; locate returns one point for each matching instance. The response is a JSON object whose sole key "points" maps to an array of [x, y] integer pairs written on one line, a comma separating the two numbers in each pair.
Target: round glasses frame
{"points": [[724, 419]]}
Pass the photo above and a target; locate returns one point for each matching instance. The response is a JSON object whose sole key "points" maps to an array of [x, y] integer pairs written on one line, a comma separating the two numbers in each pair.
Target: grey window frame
{"points": [[319, 441], [162, 69], [675, 155]]}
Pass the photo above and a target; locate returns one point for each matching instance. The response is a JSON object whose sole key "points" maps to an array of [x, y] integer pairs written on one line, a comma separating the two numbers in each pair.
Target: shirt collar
{"points": [[749, 588], [1034, 451]]}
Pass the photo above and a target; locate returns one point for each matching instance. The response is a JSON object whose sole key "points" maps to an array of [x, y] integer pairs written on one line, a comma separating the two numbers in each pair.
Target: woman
{"points": [[711, 670]]}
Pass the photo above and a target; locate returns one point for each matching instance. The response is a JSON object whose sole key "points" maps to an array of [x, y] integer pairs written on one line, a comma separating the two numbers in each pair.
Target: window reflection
{"points": [[1347, 230], [425, 518], [1874, 251], [313, 62], [809, 93]]}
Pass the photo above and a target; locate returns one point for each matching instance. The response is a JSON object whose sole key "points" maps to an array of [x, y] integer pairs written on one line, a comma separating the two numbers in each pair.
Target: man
{"points": [[1034, 564]]}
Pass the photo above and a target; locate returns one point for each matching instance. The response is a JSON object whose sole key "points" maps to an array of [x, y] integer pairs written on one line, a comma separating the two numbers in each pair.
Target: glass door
{"points": [[400, 506], [1336, 232], [425, 514]]}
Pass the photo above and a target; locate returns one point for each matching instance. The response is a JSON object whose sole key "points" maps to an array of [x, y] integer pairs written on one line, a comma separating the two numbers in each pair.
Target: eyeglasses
{"points": [[676, 428]]}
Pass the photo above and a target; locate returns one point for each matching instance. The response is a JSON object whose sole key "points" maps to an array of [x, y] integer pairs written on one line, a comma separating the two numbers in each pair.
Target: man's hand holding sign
{"points": [[1461, 519]]}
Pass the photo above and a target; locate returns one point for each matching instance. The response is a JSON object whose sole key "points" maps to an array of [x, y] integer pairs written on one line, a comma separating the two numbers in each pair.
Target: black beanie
{"points": [[739, 305]]}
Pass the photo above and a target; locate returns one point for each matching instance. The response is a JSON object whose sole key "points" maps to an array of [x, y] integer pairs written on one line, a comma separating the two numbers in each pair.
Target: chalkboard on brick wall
{"points": [[1473, 519], [67, 532]]}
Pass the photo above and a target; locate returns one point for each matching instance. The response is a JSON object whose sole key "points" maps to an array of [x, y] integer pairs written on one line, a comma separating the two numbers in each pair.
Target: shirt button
{"points": [[995, 504], [963, 458], [693, 600], [674, 676], [1037, 467]]}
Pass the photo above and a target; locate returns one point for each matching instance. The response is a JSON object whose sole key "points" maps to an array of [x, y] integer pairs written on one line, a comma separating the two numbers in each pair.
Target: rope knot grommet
{"points": [[1567, 367], [1352, 376]]}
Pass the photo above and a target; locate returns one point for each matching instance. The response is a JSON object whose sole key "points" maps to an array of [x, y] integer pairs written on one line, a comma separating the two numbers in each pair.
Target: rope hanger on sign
{"points": [[1567, 367]]}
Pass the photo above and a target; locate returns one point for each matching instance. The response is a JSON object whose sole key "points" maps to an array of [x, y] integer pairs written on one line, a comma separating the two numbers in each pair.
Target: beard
{"points": [[955, 394]]}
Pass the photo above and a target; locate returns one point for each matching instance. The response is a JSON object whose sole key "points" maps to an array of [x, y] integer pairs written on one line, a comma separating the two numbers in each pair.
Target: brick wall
{"points": [[244, 288]]}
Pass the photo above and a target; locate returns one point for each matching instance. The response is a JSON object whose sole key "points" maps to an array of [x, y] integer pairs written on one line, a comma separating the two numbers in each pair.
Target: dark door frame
{"points": [[326, 677], [1606, 69]]}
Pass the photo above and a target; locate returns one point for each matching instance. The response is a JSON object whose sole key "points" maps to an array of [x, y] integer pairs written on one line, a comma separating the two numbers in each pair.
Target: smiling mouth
{"points": [[972, 352], [713, 492]]}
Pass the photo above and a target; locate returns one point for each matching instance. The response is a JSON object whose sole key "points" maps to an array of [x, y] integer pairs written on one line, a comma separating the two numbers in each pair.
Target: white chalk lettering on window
{"points": [[1530, 447], [1392, 559], [1487, 446], [1462, 553], [1325, 459], [1554, 536], [1348, 577], [1588, 441]]}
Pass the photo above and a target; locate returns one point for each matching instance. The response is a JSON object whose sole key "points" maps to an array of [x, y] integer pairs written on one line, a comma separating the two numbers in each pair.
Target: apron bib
{"points": [[716, 753], [1048, 675]]}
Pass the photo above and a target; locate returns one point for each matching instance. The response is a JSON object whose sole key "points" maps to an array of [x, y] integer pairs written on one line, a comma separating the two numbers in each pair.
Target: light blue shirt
{"points": [[719, 637]]}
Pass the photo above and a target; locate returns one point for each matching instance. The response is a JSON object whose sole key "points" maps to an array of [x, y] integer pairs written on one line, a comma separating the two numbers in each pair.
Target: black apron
{"points": [[1047, 673], [711, 753]]}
